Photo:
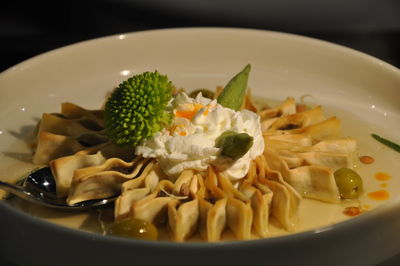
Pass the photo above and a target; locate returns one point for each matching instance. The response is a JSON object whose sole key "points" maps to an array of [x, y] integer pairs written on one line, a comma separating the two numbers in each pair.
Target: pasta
{"points": [[301, 152]]}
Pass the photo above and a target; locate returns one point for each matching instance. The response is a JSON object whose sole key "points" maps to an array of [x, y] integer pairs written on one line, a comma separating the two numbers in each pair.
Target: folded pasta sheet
{"points": [[302, 151], [65, 133], [306, 149], [209, 203], [104, 180]]}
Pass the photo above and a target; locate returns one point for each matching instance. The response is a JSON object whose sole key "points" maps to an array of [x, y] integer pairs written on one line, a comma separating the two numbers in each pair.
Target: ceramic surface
{"points": [[359, 89]]}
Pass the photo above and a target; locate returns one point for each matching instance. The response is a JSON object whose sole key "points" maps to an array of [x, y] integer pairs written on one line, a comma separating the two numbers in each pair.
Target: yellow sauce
{"points": [[366, 207]]}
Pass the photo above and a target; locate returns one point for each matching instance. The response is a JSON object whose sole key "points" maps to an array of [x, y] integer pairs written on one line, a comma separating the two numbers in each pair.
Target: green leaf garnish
{"points": [[234, 92], [387, 142], [234, 145]]}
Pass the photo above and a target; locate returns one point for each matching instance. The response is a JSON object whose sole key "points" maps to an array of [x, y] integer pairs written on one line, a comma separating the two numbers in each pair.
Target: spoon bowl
{"points": [[39, 187]]}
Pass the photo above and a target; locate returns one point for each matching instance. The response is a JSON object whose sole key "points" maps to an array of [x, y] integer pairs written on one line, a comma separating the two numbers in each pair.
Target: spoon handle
{"points": [[16, 190], [37, 198], [42, 199]]}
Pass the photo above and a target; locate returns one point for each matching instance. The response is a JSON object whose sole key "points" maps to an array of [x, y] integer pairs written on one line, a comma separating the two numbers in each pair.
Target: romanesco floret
{"points": [[136, 109]]}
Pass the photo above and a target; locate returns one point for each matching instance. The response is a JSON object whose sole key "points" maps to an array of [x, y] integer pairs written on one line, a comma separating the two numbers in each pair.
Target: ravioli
{"points": [[301, 152]]}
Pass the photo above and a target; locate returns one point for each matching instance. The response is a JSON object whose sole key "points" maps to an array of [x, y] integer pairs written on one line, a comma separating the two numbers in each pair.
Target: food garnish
{"points": [[198, 164], [233, 94], [134, 228], [382, 176], [137, 108], [352, 211], [349, 183], [366, 159], [381, 194], [234, 145], [387, 142]]}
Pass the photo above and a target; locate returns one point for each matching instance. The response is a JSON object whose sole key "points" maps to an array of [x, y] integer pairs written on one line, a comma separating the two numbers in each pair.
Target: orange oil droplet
{"points": [[182, 133], [366, 159], [352, 211], [379, 195], [381, 176]]}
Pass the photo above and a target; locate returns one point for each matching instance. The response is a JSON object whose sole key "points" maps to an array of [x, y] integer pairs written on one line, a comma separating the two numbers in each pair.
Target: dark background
{"points": [[28, 28]]}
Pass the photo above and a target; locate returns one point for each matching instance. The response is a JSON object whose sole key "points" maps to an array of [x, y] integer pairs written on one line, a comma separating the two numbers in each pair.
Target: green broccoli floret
{"points": [[136, 109]]}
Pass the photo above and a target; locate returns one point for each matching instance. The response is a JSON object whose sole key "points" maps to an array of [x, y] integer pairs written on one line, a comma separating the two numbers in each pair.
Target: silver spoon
{"points": [[39, 187]]}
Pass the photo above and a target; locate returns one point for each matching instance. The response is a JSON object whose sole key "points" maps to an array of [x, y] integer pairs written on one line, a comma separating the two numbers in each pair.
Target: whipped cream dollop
{"points": [[189, 143]]}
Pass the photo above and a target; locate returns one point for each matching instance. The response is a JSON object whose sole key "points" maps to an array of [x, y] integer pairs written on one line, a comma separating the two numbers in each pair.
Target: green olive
{"points": [[349, 183], [206, 93], [134, 228]]}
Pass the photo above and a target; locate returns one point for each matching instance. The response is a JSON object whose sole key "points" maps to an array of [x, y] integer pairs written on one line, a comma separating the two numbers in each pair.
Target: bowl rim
{"points": [[182, 30], [320, 232], [317, 232]]}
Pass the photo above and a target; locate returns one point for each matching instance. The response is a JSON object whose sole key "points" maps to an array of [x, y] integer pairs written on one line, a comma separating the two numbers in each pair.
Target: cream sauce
{"points": [[313, 215]]}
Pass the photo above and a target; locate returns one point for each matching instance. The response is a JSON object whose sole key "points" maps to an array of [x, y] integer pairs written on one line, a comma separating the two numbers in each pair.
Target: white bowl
{"points": [[361, 90]]}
